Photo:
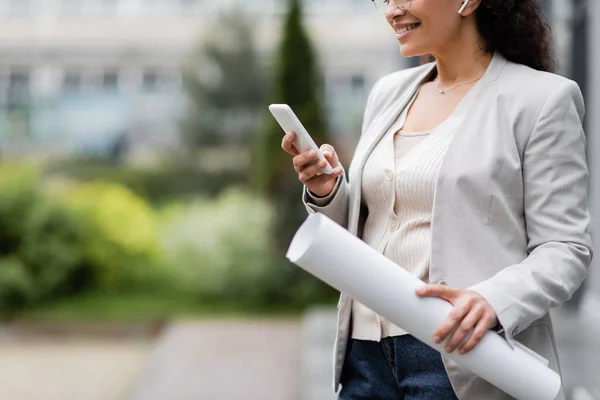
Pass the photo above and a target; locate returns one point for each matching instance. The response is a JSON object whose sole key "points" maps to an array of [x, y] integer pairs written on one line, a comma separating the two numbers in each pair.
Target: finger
{"points": [[303, 160], [331, 155], [320, 180], [460, 310], [442, 291], [287, 144], [468, 322], [316, 170], [480, 329]]}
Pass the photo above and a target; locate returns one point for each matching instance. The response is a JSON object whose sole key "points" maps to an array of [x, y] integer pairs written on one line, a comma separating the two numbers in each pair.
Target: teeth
{"points": [[406, 28]]}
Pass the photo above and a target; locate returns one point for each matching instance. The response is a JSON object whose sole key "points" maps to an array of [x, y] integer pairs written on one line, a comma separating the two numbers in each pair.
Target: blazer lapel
{"points": [[380, 127], [383, 122]]}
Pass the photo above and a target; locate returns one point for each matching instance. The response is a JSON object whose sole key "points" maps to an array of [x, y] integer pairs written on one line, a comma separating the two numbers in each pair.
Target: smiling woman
{"points": [[471, 174]]}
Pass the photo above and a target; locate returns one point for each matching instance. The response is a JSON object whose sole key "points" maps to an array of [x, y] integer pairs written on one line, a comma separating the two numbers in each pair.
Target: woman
{"points": [[470, 173]]}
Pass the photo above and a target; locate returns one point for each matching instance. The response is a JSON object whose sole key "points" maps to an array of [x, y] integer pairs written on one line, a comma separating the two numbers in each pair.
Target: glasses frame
{"points": [[403, 8]]}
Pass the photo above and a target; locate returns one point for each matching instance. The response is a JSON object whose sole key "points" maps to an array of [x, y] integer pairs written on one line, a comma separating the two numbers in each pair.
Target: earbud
{"points": [[465, 4]]}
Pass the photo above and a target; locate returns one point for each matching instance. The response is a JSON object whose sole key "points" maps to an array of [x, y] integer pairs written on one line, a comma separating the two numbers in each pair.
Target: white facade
{"points": [[117, 62]]}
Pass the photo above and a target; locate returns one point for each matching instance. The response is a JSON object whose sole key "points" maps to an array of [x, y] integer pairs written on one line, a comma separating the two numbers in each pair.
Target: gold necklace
{"points": [[443, 91]]}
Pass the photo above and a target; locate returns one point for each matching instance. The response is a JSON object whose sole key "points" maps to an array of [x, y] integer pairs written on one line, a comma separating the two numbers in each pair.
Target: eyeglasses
{"points": [[382, 5]]}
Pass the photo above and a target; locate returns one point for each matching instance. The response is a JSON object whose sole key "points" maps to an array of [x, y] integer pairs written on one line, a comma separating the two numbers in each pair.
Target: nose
{"points": [[393, 10]]}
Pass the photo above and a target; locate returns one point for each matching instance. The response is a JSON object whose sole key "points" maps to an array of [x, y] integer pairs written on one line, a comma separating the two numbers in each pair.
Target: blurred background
{"points": [[146, 206]]}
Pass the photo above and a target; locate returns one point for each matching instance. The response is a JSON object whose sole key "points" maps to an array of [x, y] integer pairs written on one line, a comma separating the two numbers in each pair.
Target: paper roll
{"points": [[340, 259]]}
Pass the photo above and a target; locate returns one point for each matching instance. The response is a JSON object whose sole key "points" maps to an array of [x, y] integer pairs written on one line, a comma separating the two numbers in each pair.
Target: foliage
{"points": [[296, 84], [101, 239], [41, 243], [224, 84], [51, 250], [220, 248], [18, 194], [122, 239], [16, 287], [159, 185], [222, 252]]}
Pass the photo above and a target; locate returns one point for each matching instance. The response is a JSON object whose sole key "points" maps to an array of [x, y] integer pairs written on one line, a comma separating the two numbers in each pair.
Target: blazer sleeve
{"points": [[555, 179], [334, 206]]}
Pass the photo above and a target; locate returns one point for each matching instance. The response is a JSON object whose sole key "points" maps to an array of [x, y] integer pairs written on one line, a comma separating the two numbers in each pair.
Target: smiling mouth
{"points": [[407, 28]]}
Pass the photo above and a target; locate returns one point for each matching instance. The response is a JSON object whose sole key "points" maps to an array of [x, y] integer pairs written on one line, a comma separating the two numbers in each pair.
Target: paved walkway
{"points": [[222, 360], [74, 369], [318, 335], [232, 359]]}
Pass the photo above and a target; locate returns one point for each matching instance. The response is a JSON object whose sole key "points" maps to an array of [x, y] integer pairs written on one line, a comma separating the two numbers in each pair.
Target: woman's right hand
{"points": [[309, 171]]}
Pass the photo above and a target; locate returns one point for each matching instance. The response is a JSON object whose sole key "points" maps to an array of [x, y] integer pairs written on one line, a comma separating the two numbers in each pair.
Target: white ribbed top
{"points": [[399, 180]]}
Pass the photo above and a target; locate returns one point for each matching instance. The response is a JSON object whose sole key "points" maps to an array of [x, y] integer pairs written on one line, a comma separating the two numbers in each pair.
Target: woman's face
{"points": [[426, 27]]}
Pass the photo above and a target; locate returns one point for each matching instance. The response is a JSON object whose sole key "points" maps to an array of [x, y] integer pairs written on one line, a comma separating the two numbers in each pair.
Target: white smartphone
{"points": [[288, 121]]}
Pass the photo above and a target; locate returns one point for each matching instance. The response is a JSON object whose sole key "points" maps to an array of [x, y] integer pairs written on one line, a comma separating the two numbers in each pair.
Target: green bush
{"points": [[52, 250], [121, 243], [221, 251], [18, 195], [158, 185], [41, 242], [16, 286]]}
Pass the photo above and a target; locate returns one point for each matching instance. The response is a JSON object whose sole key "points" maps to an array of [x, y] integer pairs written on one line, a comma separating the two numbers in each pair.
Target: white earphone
{"points": [[465, 4]]}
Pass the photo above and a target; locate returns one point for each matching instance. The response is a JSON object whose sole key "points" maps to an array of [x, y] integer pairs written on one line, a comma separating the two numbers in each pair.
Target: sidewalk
{"points": [[214, 360], [73, 369]]}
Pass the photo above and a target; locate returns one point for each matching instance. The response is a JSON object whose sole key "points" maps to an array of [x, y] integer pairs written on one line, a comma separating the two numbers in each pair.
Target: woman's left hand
{"points": [[471, 311]]}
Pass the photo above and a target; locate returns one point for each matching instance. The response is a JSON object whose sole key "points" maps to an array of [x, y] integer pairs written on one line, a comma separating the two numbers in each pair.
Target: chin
{"points": [[409, 51]]}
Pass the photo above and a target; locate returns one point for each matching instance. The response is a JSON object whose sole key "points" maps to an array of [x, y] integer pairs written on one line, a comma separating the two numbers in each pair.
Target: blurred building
{"points": [[78, 75]]}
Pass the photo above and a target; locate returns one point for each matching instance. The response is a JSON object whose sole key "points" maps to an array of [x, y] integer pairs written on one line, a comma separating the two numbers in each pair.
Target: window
{"points": [[154, 81], [150, 81], [110, 81], [357, 82], [72, 82], [18, 87]]}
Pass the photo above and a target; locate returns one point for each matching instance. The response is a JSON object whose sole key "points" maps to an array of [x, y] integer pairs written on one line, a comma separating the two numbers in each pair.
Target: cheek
{"points": [[439, 30]]}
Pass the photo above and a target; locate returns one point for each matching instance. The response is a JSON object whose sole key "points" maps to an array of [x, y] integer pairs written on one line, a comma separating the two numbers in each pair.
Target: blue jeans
{"points": [[397, 368]]}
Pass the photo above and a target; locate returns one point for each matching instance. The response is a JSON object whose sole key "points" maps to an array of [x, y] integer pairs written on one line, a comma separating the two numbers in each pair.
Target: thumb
{"points": [[330, 155]]}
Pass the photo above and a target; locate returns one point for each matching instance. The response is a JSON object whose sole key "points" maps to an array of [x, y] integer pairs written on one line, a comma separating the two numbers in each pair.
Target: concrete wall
{"points": [[593, 134]]}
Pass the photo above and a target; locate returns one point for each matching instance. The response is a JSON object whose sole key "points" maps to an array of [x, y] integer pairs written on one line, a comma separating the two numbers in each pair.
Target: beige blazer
{"points": [[510, 216]]}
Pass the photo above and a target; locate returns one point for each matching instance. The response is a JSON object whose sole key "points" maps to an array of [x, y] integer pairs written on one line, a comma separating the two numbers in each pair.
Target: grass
{"points": [[143, 307]]}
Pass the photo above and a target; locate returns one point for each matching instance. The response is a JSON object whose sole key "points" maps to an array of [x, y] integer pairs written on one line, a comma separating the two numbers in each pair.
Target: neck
{"points": [[461, 60]]}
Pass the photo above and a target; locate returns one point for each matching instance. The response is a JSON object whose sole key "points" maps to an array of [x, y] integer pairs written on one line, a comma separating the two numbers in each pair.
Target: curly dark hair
{"points": [[518, 30]]}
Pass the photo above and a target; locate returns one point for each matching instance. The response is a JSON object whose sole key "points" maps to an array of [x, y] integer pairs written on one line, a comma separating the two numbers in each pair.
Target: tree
{"points": [[297, 83], [225, 87]]}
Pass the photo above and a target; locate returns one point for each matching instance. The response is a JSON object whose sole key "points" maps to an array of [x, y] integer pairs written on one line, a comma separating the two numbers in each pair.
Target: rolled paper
{"points": [[343, 261]]}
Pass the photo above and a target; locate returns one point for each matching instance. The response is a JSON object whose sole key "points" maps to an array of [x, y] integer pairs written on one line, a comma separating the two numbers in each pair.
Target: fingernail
{"points": [[448, 350], [461, 351], [436, 339], [323, 163], [326, 154]]}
